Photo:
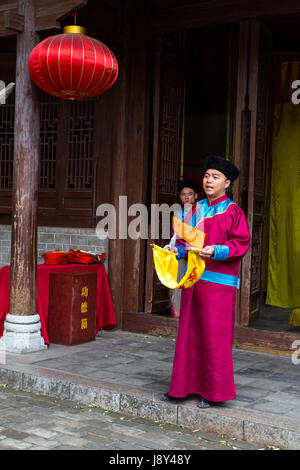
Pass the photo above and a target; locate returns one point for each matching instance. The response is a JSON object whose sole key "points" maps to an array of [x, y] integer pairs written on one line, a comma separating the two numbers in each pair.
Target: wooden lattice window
{"points": [[7, 111], [172, 50], [66, 158], [80, 145], [48, 142]]}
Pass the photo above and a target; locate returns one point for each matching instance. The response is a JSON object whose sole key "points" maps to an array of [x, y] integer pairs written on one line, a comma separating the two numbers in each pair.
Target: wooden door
{"points": [[168, 86], [252, 148]]}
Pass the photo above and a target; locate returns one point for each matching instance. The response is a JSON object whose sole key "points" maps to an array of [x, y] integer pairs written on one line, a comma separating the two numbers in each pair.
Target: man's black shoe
{"points": [[203, 403], [167, 397]]}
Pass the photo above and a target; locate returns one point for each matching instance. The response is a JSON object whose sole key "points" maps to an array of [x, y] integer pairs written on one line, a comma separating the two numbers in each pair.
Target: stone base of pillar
{"points": [[22, 334]]}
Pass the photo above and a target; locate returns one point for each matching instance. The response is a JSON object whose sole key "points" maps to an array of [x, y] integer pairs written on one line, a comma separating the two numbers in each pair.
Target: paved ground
{"points": [[263, 382], [128, 373], [31, 421]]}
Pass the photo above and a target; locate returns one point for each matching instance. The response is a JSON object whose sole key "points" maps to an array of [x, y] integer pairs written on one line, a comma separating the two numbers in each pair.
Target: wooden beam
{"points": [[69, 7], [151, 324], [272, 342], [8, 5], [218, 12], [4, 31], [13, 21], [48, 13]]}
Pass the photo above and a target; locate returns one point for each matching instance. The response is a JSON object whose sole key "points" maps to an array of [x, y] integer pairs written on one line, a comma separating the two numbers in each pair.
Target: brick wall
{"points": [[55, 238]]}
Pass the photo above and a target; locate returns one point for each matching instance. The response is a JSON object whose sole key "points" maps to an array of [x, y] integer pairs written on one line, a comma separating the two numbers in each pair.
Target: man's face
{"points": [[215, 184], [188, 196]]}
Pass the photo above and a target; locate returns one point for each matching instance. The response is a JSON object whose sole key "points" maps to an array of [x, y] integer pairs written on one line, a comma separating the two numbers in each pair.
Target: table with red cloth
{"points": [[105, 314]]}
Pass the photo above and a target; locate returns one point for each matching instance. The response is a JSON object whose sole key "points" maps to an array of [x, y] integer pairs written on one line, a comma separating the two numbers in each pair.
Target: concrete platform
{"points": [[128, 372]]}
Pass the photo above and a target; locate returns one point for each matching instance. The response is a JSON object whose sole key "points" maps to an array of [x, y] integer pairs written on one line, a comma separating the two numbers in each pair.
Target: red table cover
{"points": [[105, 314]]}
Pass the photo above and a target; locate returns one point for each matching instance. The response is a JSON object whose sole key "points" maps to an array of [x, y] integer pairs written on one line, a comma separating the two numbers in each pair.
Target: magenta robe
{"points": [[203, 354]]}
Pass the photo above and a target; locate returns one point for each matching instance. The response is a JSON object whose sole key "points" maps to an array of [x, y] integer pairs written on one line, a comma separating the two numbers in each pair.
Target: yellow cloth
{"points": [[166, 266], [295, 317], [284, 235], [188, 233]]}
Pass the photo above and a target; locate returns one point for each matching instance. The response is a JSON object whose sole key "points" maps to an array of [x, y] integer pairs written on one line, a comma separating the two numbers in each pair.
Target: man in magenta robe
{"points": [[203, 354]]}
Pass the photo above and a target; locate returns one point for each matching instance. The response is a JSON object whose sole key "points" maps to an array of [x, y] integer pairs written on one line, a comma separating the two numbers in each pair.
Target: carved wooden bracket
{"points": [[13, 21]]}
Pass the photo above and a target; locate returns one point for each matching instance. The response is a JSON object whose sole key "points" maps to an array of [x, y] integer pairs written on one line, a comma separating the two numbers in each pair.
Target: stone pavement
{"points": [[31, 421], [126, 372]]}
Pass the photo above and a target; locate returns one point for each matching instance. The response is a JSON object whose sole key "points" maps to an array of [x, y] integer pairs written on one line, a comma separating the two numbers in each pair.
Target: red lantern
{"points": [[73, 65]]}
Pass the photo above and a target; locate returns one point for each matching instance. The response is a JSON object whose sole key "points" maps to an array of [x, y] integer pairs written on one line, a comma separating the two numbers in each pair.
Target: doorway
{"points": [[209, 98], [193, 108], [280, 273]]}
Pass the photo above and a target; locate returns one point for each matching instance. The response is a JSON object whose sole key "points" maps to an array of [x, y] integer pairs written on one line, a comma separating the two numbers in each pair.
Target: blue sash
{"points": [[220, 278]]}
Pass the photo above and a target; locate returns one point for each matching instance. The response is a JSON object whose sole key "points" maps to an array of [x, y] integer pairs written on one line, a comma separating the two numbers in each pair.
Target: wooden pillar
{"points": [[25, 189], [242, 149], [22, 326], [116, 266], [252, 146], [138, 151]]}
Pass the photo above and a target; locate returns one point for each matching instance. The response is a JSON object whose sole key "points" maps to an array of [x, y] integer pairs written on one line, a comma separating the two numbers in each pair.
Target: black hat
{"points": [[188, 184], [224, 166]]}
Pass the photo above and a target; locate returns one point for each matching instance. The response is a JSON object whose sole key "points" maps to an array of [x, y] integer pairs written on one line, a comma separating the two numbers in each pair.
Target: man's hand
{"points": [[207, 252], [174, 250]]}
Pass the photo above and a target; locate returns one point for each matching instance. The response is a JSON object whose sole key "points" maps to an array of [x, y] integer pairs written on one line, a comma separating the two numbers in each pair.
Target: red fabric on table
{"points": [[105, 314]]}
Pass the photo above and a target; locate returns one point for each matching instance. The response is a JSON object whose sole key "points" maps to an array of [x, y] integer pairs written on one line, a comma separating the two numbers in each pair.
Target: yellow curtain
{"points": [[283, 277], [266, 227]]}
